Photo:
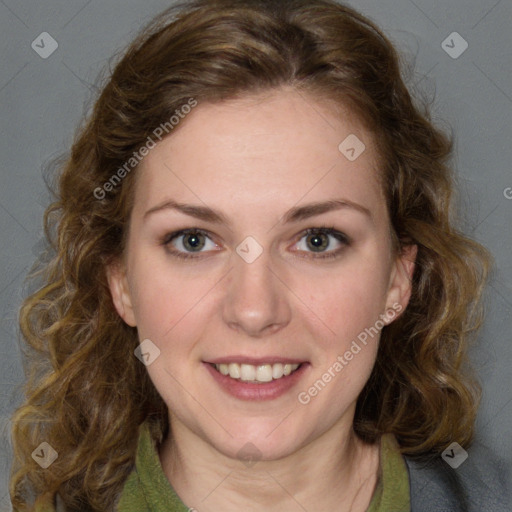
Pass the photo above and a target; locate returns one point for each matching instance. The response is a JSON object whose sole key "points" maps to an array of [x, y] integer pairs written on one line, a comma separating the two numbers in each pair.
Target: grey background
{"points": [[42, 100]]}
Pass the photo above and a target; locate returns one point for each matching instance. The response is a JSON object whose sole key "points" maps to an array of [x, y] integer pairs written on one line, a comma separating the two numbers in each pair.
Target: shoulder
{"points": [[481, 483]]}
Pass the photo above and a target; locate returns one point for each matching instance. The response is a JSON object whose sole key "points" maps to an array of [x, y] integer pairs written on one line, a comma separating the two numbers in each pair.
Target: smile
{"points": [[256, 373]]}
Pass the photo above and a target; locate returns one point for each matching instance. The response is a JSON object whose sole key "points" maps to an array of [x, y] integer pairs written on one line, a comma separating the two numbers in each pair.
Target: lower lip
{"points": [[257, 392]]}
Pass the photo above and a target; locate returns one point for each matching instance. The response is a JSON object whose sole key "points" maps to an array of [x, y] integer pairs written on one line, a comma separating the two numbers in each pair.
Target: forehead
{"points": [[268, 150]]}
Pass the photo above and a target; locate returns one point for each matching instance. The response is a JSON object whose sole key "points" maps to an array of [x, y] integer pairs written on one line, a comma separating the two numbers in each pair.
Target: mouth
{"points": [[264, 380], [256, 374]]}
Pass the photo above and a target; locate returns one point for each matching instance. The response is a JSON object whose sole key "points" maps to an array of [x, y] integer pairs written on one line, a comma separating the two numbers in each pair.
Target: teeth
{"points": [[247, 372], [264, 373], [277, 371], [234, 370], [260, 373]]}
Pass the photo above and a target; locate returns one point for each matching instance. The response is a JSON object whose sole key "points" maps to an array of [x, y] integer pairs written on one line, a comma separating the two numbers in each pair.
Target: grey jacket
{"points": [[482, 483]]}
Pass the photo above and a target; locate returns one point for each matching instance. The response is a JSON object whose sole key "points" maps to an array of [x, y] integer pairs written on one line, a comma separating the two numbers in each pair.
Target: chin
{"points": [[263, 440]]}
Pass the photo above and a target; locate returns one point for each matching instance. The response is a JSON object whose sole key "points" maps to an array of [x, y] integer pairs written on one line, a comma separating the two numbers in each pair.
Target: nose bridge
{"points": [[256, 300]]}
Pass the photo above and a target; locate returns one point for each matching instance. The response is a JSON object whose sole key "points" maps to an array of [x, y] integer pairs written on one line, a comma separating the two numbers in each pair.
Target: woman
{"points": [[258, 299]]}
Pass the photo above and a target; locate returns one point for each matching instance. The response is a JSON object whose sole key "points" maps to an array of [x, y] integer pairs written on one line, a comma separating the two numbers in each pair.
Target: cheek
{"points": [[162, 299], [346, 340], [167, 308], [347, 301]]}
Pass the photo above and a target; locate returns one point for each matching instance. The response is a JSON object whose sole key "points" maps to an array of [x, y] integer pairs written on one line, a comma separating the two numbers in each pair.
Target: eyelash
{"points": [[327, 230]]}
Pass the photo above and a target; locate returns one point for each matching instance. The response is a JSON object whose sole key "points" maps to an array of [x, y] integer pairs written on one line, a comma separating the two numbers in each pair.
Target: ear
{"points": [[119, 289], [400, 284]]}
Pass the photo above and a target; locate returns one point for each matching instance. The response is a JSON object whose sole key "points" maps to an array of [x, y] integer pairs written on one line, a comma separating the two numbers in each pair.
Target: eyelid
{"points": [[180, 232]]}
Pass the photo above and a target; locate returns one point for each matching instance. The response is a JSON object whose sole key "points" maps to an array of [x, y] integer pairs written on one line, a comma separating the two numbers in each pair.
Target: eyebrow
{"points": [[295, 214]]}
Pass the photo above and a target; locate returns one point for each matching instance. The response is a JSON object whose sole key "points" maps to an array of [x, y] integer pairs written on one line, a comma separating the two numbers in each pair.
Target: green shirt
{"points": [[148, 490]]}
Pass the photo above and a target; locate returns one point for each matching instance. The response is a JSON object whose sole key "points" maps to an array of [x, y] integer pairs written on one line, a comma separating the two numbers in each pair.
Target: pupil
{"points": [[317, 242], [195, 241]]}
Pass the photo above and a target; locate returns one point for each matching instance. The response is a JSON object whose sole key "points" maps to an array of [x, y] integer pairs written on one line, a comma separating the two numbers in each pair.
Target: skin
{"points": [[253, 159]]}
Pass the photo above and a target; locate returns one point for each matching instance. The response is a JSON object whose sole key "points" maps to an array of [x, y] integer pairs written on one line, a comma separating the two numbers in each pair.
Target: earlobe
{"points": [[400, 289], [118, 284]]}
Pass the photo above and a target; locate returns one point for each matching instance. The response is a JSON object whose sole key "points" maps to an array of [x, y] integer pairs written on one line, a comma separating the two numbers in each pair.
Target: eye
{"points": [[193, 240], [318, 239]]}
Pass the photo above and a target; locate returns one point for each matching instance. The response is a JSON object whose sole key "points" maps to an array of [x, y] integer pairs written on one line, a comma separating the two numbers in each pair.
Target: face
{"points": [[248, 287]]}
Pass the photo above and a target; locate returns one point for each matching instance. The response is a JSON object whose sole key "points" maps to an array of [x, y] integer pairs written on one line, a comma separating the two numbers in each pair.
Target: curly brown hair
{"points": [[421, 388]]}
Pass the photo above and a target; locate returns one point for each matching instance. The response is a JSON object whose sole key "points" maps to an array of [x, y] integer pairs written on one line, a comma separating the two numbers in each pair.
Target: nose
{"points": [[257, 299]]}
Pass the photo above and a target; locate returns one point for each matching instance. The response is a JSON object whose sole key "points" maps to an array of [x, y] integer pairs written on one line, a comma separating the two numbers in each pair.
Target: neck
{"points": [[336, 471]]}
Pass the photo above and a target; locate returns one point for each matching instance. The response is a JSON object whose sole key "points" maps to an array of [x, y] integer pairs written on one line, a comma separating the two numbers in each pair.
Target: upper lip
{"points": [[255, 360]]}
